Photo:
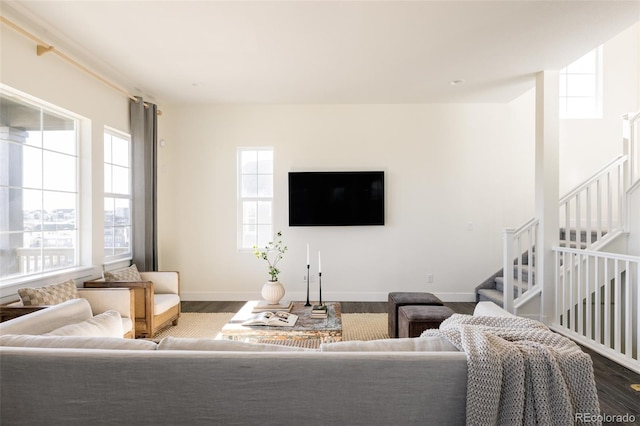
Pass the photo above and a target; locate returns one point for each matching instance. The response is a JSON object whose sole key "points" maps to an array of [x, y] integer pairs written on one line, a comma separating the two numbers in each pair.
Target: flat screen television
{"points": [[336, 198]]}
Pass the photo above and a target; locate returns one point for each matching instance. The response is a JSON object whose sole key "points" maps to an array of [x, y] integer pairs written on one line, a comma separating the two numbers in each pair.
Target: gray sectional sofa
{"points": [[82, 380]]}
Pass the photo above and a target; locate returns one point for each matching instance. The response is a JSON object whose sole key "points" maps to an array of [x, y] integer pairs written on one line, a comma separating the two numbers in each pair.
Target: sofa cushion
{"points": [[76, 342], [164, 302], [191, 344], [128, 274], [48, 319], [422, 344], [48, 295], [106, 324]]}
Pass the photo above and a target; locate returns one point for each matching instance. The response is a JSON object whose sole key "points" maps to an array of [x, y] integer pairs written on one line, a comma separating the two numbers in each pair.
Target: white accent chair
{"points": [[157, 299]]}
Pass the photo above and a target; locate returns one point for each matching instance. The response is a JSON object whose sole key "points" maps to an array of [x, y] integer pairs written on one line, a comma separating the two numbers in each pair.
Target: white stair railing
{"points": [[597, 294], [597, 297], [519, 263], [590, 215], [594, 211]]}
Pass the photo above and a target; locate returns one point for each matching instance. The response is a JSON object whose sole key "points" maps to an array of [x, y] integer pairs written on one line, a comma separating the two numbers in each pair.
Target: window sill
{"points": [[9, 287]]}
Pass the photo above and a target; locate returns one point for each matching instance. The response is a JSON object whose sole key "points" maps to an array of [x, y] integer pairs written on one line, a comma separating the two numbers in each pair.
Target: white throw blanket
{"points": [[520, 372]]}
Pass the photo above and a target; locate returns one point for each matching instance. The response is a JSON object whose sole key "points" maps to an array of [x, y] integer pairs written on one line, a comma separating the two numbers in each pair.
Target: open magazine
{"points": [[277, 319]]}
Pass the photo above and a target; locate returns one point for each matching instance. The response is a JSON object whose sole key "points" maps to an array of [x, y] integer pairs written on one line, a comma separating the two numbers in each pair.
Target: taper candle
{"points": [[307, 254], [319, 263]]}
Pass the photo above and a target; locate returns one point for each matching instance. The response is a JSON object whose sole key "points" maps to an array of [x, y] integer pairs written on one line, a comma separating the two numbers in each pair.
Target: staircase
{"points": [[592, 296], [492, 289], [595, 208]]}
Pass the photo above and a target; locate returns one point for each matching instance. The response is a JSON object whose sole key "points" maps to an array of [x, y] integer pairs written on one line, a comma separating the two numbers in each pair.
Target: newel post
{"points": [[507, 268]]}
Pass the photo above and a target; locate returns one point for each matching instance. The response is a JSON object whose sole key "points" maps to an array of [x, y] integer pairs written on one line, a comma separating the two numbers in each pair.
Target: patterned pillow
{"points": [[129, 274], [48, 295]]}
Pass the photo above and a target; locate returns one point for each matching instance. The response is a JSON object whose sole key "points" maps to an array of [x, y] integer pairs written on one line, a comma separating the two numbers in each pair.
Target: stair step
{"points": [[583, 235], [524, 258], [526, 273], [573, 244], [491, 295], [500, 286], [567, 239]]}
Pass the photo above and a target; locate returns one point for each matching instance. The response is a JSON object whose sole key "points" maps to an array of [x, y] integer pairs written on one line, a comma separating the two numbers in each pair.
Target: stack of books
{"points": [[319, 311], [264, 306]]}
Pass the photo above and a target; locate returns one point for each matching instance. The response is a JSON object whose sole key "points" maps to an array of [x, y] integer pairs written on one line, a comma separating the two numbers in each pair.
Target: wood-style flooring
{"points": [[612, 380]]}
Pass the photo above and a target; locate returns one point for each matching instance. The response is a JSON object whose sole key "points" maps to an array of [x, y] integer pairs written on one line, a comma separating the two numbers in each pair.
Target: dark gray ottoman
{"points": [[413, 320], [404, 298]]}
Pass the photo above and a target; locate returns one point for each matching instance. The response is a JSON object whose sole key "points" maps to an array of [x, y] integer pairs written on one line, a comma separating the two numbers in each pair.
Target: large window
{"points": [[117, 195], [255, 197], [38, 188], [581, 87]]}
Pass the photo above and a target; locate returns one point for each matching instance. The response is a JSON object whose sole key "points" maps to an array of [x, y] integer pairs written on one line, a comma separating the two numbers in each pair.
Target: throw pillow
{"points": [[76, 342], [128, 274], [106, 324], [192, 344], [48, 295]]}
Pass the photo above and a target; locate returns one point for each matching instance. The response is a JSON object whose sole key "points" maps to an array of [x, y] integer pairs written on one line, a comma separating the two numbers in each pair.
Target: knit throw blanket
{"points": [[520, 372]]}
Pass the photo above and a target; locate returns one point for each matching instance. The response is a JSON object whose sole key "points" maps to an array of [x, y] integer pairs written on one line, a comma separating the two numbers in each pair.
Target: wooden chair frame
{"points": [[146, 322]]}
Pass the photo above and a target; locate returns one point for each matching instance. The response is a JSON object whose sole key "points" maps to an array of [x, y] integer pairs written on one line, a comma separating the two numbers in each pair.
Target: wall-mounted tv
{"points": [[349, 198]]}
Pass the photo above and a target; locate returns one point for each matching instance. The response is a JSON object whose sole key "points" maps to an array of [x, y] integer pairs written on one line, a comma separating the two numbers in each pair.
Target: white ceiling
{"points": [[324, 51]]}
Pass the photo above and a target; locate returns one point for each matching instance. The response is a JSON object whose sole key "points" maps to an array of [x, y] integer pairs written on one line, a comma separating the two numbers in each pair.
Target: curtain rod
{"points": [[43, 47]]}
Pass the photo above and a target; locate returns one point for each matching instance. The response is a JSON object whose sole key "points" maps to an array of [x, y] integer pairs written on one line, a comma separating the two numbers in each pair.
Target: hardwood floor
{"points": [[347, 307], [613, 381]]}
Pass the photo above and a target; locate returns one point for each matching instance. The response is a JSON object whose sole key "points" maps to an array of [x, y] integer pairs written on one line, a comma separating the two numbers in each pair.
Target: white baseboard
{"points": [[212, 296]]}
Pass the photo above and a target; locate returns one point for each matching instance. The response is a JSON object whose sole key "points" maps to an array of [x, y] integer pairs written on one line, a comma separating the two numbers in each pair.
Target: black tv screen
{"points": [[336, 198]]}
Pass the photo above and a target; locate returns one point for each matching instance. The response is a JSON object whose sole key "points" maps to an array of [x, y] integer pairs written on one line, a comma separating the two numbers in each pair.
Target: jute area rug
{"points": [[208, 325]]}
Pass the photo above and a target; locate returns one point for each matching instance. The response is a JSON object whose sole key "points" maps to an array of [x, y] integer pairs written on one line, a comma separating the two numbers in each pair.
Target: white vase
{"points": [[272, 292]]}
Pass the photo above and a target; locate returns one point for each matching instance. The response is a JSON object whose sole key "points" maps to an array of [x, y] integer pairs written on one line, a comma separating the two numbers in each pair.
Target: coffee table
{"points": [[307, 332]]}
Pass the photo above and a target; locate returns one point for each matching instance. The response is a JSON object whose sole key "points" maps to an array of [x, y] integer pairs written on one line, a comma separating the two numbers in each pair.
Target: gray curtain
{"points": [[144, 135]]}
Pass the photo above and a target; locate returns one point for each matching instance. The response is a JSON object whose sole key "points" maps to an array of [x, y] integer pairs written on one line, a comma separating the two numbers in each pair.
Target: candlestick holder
{"points": [[320, 282], [307, 304]]}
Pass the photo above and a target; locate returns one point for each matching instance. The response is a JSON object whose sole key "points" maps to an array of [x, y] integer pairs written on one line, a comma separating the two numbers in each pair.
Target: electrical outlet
{"points": [[429, 278]]}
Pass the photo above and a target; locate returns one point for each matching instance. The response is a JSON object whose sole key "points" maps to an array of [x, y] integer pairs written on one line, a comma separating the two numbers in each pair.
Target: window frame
{"points": [[45, 109], [258, 198], [108, 131]]}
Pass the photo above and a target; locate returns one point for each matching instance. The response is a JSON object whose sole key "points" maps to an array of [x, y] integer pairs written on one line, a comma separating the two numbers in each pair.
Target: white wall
{"points": [[587, 145], [446, 167]]}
